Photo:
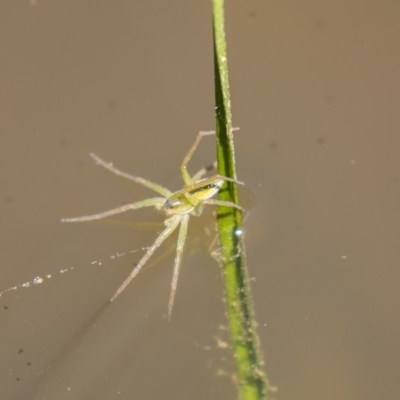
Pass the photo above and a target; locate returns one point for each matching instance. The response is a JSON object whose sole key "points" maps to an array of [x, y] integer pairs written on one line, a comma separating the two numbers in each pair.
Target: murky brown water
{"points": [[315, 92]]}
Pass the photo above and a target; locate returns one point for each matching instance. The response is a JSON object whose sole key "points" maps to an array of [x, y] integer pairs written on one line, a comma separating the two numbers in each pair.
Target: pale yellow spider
{"points": [[178, 206]]}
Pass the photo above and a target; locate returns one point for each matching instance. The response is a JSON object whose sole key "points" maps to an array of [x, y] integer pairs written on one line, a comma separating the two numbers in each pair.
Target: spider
{"points": [[178, 206]]}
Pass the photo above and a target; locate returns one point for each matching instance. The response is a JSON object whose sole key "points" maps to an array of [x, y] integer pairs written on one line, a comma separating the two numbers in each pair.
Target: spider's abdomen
{"points": [[184, 201]]}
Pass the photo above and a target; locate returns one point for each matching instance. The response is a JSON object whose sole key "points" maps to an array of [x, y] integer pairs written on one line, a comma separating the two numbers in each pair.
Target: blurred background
{"points": [[315, 91]]}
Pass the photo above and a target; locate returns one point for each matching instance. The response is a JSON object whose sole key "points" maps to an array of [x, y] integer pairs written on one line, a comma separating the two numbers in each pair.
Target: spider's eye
{"points": [[168, 205]]}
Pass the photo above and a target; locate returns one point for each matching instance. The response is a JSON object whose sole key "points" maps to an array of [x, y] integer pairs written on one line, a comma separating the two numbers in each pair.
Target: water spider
{"points": [[178, 206]]}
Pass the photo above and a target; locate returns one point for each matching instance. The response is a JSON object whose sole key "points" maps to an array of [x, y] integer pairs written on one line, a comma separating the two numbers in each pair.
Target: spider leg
{"points": [[178, 258], [187, 179], [185, 174], [171, 223], [223, 203], [155, 202], [225, 178], [151, 185], [198, 175]]}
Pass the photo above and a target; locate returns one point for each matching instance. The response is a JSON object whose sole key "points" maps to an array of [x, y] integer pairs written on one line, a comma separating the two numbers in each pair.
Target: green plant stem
{"points": [[251, 379]]}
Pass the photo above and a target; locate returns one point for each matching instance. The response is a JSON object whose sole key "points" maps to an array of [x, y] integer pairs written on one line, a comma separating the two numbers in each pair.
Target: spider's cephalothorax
{"points": [[196, 193]]}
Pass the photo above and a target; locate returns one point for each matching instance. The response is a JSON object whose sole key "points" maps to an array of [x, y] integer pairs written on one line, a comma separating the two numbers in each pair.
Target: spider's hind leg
{"points": [[171, 225], [187, 179], [157, 202], [199, 174], [145, 182], [178, 258]]}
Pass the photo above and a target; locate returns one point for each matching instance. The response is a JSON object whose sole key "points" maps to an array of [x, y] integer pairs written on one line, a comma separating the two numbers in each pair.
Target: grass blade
{"points": [[251, 378]]}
